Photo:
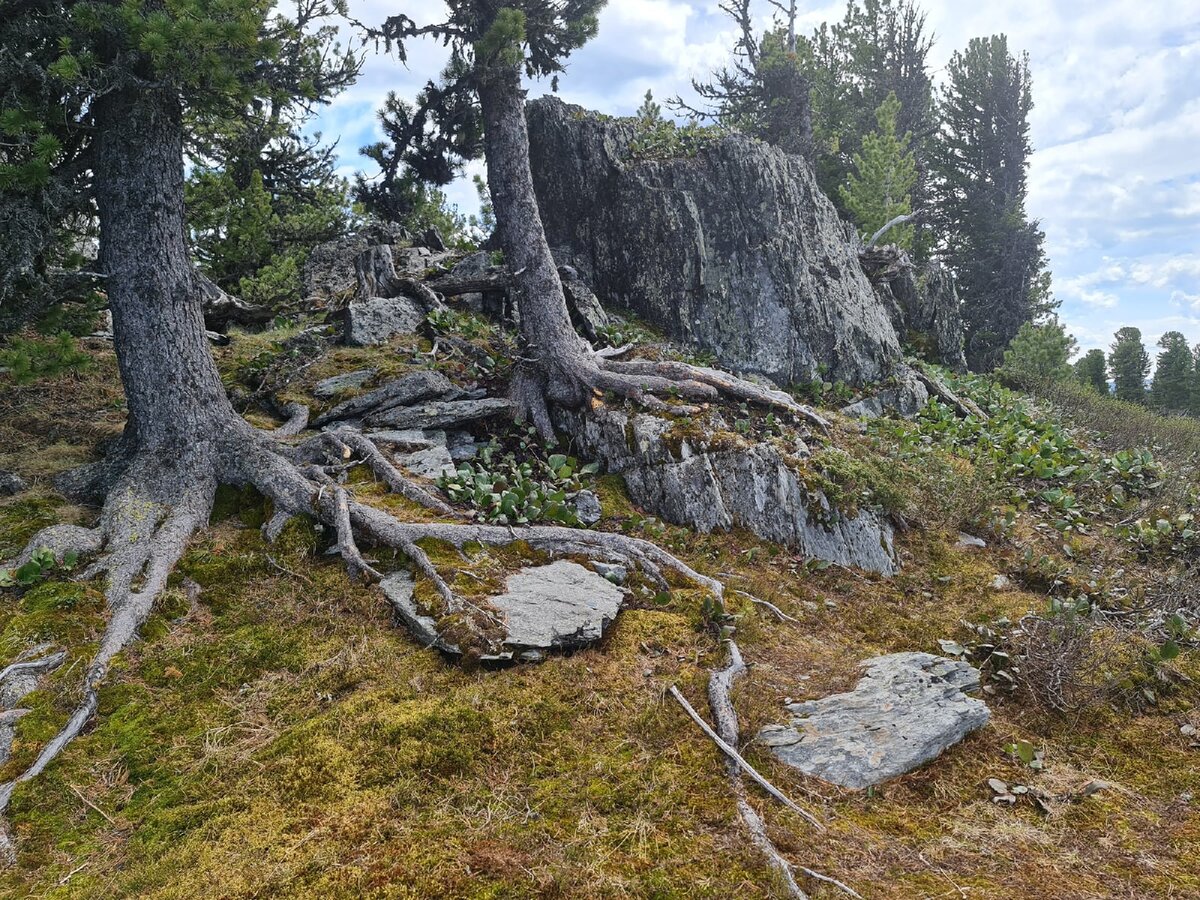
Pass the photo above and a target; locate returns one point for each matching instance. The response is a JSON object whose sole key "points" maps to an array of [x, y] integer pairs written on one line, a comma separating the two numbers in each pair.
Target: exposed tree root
{"points": [[645, 382], [726, 737], [159, 502]]}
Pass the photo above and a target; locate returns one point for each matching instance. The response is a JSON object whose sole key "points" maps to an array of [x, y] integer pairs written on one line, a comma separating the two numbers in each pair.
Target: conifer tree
{"points": [[1129, 364], [880, 185], [1092, 370], [649, 113], [1038, 354], [1174, 373], [982, 160]]}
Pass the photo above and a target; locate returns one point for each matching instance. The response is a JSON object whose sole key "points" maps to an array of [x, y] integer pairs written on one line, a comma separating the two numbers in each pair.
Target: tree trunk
{"points": [[172, 387], [546, 329]]}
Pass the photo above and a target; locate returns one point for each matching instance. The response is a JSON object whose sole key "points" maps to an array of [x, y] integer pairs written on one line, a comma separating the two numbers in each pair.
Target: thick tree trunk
{"points": [[546, 328], [173, 391]]}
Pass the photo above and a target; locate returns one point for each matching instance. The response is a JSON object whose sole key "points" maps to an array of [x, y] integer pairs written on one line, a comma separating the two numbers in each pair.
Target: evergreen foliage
{"points": [[1092, 370], [649, 113], [982, 160], [1129, 364], [1174, 374], [1038, 353], [880, 186]]}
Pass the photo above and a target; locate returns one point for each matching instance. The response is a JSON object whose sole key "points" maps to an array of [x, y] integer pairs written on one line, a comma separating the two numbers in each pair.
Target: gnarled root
{"points": [[645, 382]]}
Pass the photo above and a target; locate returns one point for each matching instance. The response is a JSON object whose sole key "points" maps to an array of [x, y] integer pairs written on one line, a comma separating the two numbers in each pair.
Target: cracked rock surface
{"points": [[905, 711]]}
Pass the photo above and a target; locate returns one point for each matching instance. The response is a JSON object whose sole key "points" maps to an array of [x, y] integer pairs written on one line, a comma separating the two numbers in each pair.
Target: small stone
{"points": [[409, 439], [11, 483], [432, 238], [1094, 787], [432, 462], [587, 507], [1001, 583], [1187, 730], [562, 606], [969, 542], [613, 572], [329, 388], [997, 786]]}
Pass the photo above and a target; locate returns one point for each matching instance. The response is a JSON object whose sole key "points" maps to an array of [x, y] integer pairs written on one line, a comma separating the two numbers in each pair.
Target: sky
{"points": [[1115, 173]]}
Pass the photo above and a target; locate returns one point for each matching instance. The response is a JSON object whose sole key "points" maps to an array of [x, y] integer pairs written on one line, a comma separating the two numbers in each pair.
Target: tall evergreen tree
{"points": [[1129, 364], [1174, 373], [765, 92], [1092, 370], [982, 160], [880, 186]]}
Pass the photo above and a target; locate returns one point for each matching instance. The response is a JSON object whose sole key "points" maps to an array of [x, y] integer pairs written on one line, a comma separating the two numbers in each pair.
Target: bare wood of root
{"points": [[719, 686]]}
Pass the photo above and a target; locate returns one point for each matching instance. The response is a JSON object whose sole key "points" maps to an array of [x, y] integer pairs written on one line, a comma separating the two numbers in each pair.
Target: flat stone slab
{"points": [[560, 606], [445, 414], [432, 462], [336, 385], [368, 323], [906, 710]]}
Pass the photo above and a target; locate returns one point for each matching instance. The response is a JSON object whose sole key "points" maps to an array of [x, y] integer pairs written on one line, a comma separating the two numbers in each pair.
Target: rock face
{"points": [[923, 304], [905, 711], [560, 606], [716, 489], [734, 250], [337, 385]]}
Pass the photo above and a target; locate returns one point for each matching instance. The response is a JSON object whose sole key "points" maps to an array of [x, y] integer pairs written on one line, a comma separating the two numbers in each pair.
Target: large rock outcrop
{"points": [[734, 250], [697, 482]]}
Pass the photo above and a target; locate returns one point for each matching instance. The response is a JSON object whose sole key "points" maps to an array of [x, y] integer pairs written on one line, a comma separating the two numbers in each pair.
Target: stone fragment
{"points": [[409, 439], [328, 388], [905, 711], [560, 606], [969, 542], [613, 572], [440, 414], [1001, 583], [432, 462], [11, 483], [587, 507]]}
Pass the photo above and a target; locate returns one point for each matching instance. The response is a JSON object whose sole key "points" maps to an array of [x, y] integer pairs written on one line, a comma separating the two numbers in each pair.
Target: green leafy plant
{"points": [[508, 491], [31, 359], [42, 564]]}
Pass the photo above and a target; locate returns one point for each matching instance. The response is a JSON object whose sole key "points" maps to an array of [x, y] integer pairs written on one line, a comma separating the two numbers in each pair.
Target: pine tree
{"points": [[1130, 365], [1174, 373], [1038, 354], [1092, 370], [879, 188], [982, 160], [649, 113]]}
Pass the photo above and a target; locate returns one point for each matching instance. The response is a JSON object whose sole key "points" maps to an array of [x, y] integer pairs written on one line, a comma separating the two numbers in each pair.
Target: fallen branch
{"points": [[892, 223], [79, 794], [779, 613]]}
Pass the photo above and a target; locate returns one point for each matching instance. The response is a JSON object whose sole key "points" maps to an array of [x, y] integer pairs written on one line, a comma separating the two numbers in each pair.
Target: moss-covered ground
{"points": [[280, 736]]}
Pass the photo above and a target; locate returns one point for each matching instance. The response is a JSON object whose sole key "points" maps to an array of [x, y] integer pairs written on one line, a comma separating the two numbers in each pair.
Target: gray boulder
{"points": [[431, 462], [922, 302], [587, 314], [706, 488], [587, 507], [329, 270], [560, 606], [376, 320], [734, 250], [906, 710], [904, 394]]}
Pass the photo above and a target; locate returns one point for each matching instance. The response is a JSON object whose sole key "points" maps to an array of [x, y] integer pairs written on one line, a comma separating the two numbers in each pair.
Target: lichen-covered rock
{"points": [[560, 606], [11, 483], [735, 250], [904, 394], [329, 270], [906, 710], [709, 489], [923, 304], [376, 320], [412, 388], [431, 462], [441, 414]]}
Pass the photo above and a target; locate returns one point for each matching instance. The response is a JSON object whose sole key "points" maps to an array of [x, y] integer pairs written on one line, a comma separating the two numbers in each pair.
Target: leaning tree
{"points": [[131, 72]]}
